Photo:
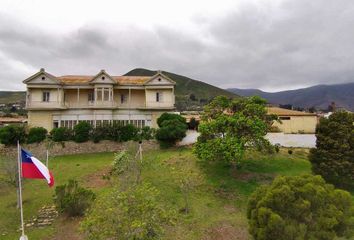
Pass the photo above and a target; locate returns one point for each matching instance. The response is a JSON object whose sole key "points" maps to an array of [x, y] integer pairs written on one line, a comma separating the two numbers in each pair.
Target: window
{"points": [[45, 96], [106, 94], [159, 97], [284, 118], [123, 98], [91, 97], [99, 94]]}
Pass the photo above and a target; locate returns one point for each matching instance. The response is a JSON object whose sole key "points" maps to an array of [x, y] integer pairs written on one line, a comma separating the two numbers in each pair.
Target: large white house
{"points": [[64, 101]]}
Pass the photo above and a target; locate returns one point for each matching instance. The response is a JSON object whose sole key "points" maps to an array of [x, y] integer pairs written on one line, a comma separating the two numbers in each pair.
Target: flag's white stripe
{"points": [[42, 168]]}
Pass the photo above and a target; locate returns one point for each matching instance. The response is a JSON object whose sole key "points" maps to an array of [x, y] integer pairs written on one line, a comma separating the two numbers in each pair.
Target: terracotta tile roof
{"points": [[11, 120], [124, 80], [138, 80], [286, 112]]}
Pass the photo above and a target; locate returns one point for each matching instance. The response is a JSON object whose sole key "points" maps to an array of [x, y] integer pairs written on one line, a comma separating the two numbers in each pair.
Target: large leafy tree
{"points": [[333, 157], [300, 207], [229, 126]]}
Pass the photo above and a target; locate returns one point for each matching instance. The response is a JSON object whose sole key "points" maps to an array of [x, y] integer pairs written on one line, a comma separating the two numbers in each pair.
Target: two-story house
{"points": [[101, 99]]}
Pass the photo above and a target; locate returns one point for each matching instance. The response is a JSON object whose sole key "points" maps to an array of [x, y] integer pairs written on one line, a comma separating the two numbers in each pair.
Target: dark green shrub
{"points": [[170, 132], [333, 157], [277, 148], [300, 207], [9, 135], [146, 133], [73, 200], [193, 124], [170, 116], [61, 134], [36, 135], [82, 132], [100, 133], [128, 132]]}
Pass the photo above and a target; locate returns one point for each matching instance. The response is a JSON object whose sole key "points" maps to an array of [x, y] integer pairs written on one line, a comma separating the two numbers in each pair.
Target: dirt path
{"points": [[67, 228]]}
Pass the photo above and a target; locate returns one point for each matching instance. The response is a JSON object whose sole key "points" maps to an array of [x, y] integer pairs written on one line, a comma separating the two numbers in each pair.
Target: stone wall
{"points": [[69, 147]]}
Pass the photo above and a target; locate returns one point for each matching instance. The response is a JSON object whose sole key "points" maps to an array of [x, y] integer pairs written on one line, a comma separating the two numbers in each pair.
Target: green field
{"points": [[218, 203]]}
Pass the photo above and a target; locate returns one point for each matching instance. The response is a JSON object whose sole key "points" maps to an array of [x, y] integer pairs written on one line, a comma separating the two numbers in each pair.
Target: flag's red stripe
{"points": [[29, 170]]}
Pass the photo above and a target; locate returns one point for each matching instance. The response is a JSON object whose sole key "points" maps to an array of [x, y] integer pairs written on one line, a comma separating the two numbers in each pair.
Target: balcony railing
{"points": [[42, 104]]}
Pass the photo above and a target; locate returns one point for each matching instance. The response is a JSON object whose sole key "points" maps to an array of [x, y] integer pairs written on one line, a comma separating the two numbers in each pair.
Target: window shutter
{"points": [[161, 96]]}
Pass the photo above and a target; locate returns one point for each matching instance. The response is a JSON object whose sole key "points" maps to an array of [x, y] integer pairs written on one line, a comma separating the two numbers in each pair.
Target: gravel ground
{"points": [[285, 140]]}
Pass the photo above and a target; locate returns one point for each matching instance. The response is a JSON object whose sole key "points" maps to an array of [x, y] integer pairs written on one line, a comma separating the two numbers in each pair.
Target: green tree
{"points": [[82, 132], [229, 125], [300, 207], [170, 116], [36, 135], [333, 157], [9, 135], [170, 132], [132, 214]]}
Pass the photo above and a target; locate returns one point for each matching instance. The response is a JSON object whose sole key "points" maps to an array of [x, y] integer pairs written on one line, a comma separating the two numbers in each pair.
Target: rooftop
{"points": [[123, 80], [287, 112]]}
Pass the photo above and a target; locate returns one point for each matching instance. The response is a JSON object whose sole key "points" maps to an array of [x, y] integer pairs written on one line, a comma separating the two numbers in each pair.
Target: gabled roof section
{"points": [[103, 78], [160, 79], [42, 77]]}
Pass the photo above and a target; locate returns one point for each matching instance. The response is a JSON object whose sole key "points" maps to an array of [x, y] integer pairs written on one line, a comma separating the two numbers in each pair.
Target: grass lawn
{"points": [[217, 204], [36, 193]]}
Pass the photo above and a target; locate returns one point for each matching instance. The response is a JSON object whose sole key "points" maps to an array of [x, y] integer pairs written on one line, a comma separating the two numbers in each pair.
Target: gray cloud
{"points": [[300, 43]]}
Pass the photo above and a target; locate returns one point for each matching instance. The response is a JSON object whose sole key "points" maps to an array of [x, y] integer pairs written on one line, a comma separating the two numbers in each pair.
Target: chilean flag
{"points": [[33, 168]]}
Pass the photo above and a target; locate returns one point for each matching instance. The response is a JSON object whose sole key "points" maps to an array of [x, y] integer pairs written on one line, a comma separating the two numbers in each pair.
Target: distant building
{"points": [[4, 121], [294, 121], [102, 99]]}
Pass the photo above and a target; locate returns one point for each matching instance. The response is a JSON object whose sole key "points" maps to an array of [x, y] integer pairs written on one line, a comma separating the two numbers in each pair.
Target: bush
{"points": [[131, 214], [146, 133], [120, 162], [36, 135], [61, 134], [290, 151], [170, 132], [300, 207], [333, 157], [277, 148], [170, 116], [128, 132], [9, 135], [73, 200], [193, 124], [82, 132]]}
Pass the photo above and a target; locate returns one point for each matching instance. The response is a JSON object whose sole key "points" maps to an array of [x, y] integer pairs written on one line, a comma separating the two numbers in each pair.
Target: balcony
{"points": [[45, 105], [91, 104]]}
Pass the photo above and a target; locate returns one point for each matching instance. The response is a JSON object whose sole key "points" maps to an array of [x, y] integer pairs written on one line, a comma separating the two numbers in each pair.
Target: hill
{"points": [[12, 96], [190, 93], [319, 96]]}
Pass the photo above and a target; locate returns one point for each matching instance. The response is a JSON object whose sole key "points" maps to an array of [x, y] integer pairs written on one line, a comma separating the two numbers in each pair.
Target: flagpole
{"points": [[23, 237], [47, 160]]}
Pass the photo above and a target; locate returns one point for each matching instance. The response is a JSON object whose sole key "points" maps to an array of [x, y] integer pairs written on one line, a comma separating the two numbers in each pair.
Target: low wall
{"points": [[69, 147]]}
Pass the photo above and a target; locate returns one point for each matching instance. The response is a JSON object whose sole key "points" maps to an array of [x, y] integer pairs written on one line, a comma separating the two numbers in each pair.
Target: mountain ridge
{"points": [[319, 96]]}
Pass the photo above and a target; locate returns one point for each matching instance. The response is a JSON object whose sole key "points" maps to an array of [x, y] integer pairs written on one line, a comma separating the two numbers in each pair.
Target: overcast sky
{"points": [[271, 45]]}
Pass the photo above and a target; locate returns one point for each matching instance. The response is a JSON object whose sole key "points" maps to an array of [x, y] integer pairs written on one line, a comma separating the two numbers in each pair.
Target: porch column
{"points": [[78, 96]]}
